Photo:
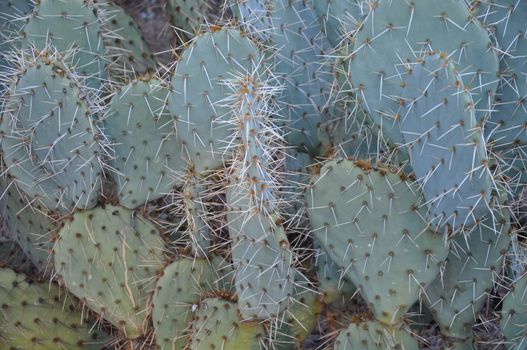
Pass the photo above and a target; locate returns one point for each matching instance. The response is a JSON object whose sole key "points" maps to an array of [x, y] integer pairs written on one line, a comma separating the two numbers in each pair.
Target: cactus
{"points": [[446, 147], [109, 257], [307, 75], [513, 315], [505, 122], [189, 15], [341, 18], [395, 33], [50, 143], [12, 18], [30, 227], [374, 336], [218, 324], [198, 92], [138, 125], [304, 153], [38, 316], [73, 29], [260, 249], [360, 215], [129, 53], [333, 280], [256, 16], [299, 321], [469, 274], [178, 292]]}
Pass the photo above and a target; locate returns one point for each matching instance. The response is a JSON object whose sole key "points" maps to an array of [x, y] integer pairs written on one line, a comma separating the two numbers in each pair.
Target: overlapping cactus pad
{"points": [[49, 139], [110, 257], [371, 225], [38, 316], [282, 175]]}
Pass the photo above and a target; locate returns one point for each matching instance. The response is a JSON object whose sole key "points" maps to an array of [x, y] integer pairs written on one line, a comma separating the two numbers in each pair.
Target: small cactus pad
{"points": [[177, 293], [195, 217], [40, 316], [261, 258], [12, 18], [370, 224], [396, 32], [374, 336], [472, 266], [72, 28], [109, 258], [300, 319], [140, 129], [446, 147], [49, 140], [218, 324]]}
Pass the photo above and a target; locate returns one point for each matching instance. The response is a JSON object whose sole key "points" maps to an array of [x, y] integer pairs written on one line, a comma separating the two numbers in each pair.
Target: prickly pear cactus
{"points": [[129, 54], [468, 276], [12, 18], [333, 280], [196, 103], [30, 226], [374, 336], [49, 140], [341, 18], [178, 293], [446, 146], [307, 73], [138, 125], [218, 324], [395, 33], [39, 316], [109, 257], [514, 315], [256, 16], [260, 249], [73, 28], [371, 225], [189, 15], [505, 122]]}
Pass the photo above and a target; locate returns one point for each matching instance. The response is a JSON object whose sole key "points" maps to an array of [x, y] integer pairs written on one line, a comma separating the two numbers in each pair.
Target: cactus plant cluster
{"points": [[297, 159]]}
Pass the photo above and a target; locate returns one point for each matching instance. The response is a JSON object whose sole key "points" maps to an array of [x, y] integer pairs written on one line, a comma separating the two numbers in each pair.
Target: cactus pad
{"points": [[370, 224], [109, 258]]}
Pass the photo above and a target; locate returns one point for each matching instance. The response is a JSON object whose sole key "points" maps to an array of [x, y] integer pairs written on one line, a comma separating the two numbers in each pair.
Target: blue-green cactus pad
{"points": [[145, 163], [109, 257], [370, 224], [50, 142], [446, 146], [396, 32]]}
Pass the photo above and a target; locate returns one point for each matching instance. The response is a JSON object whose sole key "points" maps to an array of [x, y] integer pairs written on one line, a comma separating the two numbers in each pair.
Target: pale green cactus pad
{"points": [[370, 224], [41, 316], [218, 324], [395, 33], [50, 142], [109, 257]]}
